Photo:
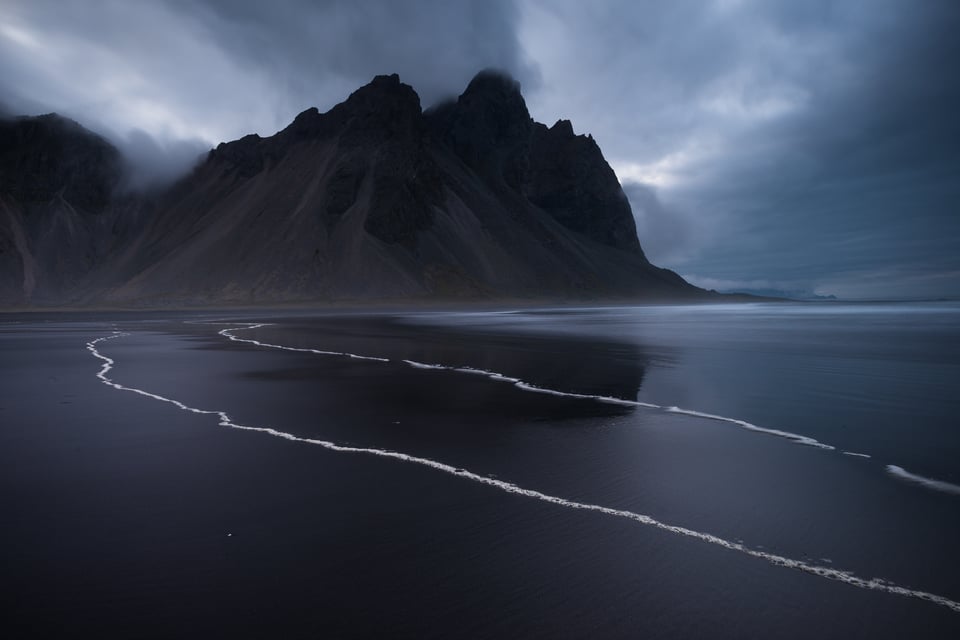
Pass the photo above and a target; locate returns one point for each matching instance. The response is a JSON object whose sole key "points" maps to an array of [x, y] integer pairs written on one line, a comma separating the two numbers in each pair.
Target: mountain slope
{"points": [[376, 199], [59, 210]]}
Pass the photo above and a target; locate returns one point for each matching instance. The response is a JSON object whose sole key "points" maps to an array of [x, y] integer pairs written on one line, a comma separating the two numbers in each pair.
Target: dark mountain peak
{"points": [[372, 198], [382, 91], [245, 155], [384, 105], [247, 140], [494, 83], [493, 100], [387, 82], [570, 179], [49, 125], [42, 157], [382, 109], [384, 102], [309, 123], [563, 128], [305, 117], [488, 127], [52, 119]]}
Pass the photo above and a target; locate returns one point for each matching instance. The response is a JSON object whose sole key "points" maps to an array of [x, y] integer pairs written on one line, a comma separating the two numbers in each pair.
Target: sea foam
{"points": [[256, 325], [875, 584], [797, 438], [527, 386], [930, 483]]}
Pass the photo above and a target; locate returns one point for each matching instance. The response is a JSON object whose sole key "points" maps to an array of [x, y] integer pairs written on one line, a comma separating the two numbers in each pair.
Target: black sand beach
{"points": [[128, 516]]}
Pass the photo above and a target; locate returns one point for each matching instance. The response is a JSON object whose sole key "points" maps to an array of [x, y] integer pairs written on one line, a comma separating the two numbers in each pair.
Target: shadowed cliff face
{"points": [[373, 199], [60, 212], [570, 180], [563, 174], [49, 157], [489, 129]]}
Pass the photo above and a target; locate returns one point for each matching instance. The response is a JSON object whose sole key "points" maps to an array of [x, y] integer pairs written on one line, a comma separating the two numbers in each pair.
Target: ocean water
{"points": [[775, 470]]}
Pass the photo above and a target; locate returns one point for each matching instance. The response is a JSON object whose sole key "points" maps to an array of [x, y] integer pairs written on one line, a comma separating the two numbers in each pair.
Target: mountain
{"points": [[60, 212], [374, 199], [782, 294]]}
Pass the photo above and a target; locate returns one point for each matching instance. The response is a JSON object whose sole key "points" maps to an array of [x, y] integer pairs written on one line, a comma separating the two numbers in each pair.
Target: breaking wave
{"points": [[526, 386], [225, 420], [930, 483]]}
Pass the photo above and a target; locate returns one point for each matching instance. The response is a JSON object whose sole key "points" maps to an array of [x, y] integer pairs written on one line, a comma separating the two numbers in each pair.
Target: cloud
{"points": [[783, 141], [152, 163], [665, 233], [773, 288], [181, 72], [218, 70], [915, 282], [806, 141], [435, 45]]}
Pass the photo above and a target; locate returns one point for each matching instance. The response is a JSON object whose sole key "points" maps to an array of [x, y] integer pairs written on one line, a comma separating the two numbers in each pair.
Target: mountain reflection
{"points": [[563, 363]]}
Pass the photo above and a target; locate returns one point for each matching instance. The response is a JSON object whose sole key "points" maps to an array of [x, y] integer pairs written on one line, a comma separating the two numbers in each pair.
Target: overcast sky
{"points": [[799, 145]]}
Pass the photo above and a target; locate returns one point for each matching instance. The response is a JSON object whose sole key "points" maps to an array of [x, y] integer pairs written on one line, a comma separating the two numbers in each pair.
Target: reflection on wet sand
{"points": [[571, 364]]}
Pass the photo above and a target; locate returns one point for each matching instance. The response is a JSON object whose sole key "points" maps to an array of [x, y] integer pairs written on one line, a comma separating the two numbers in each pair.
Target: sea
{"points": [[774, 470]]}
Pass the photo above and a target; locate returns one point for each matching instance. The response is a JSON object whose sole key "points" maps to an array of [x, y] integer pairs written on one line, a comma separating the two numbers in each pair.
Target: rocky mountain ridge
{"points": [[374, 199]]}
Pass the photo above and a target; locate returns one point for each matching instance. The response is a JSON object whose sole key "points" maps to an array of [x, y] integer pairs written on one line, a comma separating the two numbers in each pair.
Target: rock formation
{"points": [[374, 199]]}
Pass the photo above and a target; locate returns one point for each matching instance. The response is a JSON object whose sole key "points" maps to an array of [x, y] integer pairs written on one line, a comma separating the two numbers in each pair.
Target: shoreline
{"points": [[405, 304]]}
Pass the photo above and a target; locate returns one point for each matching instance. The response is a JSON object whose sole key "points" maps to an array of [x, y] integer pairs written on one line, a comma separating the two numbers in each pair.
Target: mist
{"points": [[151, 164]]}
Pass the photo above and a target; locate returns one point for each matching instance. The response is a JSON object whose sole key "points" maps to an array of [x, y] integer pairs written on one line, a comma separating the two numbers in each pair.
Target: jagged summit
{"points": [[42, 157], [384, 107], [570, 179], [373, 199], [58, 191], [488, 127], [493, 81], [497, 96], [563, 128]]}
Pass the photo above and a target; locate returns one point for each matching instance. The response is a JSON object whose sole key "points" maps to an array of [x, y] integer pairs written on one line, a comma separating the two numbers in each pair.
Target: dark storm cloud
{"points": [[152, 162], [866, 180], [813, 144], [668, 234], [181, 72], [802, 145], [435, 45]]}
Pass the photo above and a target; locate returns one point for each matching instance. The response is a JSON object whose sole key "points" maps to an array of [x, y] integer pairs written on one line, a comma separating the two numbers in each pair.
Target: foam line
{"points": [[227, 334], [929, 483], [795, 437], [422, 365], [855, 454], [874, 584], [526, 386]]}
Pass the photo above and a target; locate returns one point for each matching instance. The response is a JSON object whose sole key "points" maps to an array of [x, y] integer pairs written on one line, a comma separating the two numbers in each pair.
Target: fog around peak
{"points": [[812, 144]]}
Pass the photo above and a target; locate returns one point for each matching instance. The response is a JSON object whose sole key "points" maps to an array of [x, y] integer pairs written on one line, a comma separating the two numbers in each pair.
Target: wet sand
{"points": [[127, 516]]}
